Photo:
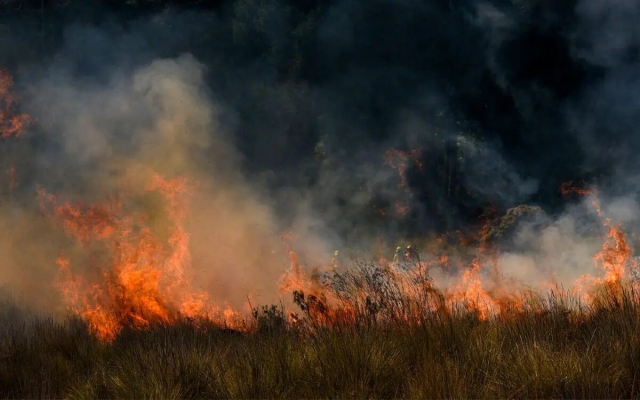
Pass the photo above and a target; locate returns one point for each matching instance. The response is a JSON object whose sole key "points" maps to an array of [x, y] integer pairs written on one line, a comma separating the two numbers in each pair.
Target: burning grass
{"points": [[143, 277], [379, 329], [546, 348], [137, 269]]}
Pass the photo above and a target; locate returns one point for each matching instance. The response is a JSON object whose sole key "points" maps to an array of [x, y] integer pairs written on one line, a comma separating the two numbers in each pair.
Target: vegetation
{"points": [[548, 348]]}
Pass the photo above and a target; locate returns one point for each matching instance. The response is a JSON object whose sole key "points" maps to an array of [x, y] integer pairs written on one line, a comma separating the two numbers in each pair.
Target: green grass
{"points": [[547, 350]]}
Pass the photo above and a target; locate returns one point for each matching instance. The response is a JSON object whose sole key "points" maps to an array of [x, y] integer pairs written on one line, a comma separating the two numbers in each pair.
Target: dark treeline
{"points": [[319, 88]]}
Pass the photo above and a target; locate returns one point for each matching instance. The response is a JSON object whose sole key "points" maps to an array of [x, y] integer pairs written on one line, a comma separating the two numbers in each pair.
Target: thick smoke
{"points": [[287, 132], [160, 117], [107, 133]]}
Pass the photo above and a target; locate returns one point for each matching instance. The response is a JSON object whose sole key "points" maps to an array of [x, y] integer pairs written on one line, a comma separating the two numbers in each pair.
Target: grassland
{"points": [[548, 349]]}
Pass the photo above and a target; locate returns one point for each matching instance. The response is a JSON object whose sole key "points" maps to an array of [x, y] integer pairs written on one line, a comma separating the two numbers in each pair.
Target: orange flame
{"points": [[614, 258], [487, 295], [11, 122], [569, 187], [615, 255], [143, 277], [296, 277], [471, 293]]}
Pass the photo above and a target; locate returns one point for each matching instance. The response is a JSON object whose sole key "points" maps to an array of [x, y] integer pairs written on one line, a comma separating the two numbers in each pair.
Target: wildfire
{"points": [[130, 262], [12, 123], [296, 277], [615, 256], [471, 293], [142, 277], [615, 259], [137, 265]]}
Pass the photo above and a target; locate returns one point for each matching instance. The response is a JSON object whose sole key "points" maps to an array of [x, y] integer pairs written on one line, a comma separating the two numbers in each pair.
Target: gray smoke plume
{"points": [[287, 132]]}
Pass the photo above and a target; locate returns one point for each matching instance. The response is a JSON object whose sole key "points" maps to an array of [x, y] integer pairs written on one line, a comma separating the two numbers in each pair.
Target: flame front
{"points": [[142, 278], [479, 287]]}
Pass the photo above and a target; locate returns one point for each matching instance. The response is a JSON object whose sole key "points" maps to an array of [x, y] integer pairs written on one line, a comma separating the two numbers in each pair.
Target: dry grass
{"points": [[541, 352]]}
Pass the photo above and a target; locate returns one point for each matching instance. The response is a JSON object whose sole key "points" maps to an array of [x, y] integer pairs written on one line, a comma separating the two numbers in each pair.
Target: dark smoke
{"points": [[506, 100]]}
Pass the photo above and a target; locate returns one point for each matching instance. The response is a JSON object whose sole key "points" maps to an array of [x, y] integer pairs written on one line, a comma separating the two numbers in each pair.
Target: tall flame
{"points": [[615, 256], [142, 279]]}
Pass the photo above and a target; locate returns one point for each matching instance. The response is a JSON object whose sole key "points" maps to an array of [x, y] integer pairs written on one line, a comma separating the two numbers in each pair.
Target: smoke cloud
{"points": [[283, 123], [106, 134]]}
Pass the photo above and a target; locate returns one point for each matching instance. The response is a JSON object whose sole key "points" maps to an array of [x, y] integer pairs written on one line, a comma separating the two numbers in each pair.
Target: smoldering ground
{"points": [[242, 109]]}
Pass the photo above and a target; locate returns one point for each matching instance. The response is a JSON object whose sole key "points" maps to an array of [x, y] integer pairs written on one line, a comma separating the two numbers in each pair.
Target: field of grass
{"points": [[544, 350]]}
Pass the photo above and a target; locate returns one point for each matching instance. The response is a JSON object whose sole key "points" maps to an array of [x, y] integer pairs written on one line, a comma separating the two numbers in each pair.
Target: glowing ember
{"points": [[400, 161], [12, 123], [569, 187]]}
